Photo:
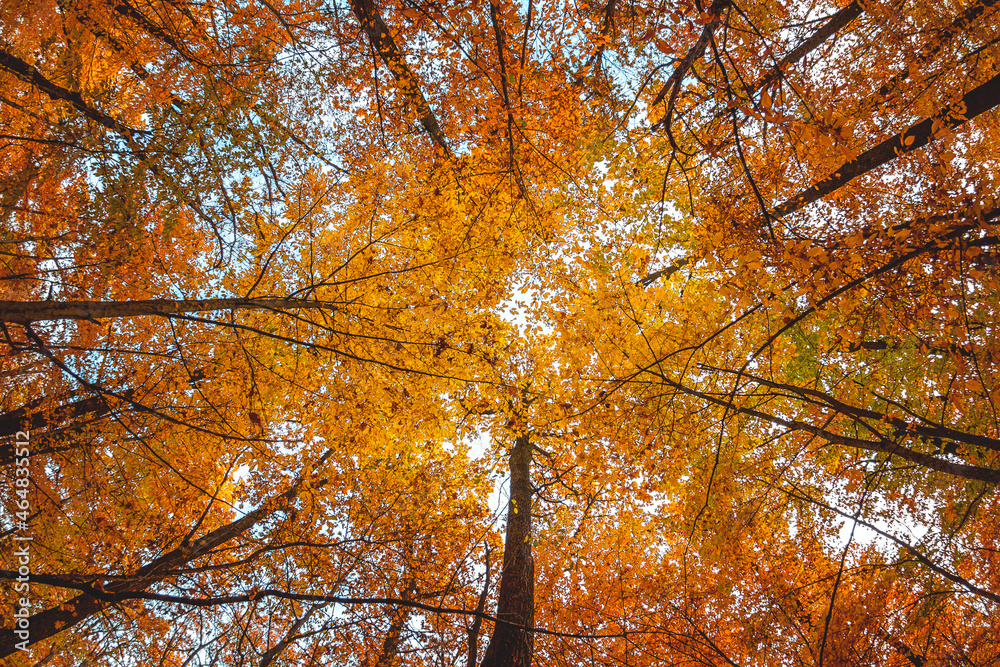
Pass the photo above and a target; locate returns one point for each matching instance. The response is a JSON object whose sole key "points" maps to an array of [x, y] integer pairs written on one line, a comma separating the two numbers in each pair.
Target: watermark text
{"points": [[22, 541]]}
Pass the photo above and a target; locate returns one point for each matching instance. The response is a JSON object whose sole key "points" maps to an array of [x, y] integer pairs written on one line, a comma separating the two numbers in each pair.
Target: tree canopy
{"points": [[499, 334]]}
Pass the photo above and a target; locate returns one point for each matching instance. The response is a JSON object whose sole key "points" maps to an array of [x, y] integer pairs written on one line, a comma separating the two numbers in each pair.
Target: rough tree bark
{"points": [[512, 644]]}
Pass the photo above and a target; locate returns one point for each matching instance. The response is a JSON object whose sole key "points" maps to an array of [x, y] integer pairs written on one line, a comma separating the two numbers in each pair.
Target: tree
{"points": [[709, 290]]}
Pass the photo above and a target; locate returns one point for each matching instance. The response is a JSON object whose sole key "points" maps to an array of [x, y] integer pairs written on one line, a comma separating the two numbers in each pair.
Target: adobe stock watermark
{"points": [[22, 541]]}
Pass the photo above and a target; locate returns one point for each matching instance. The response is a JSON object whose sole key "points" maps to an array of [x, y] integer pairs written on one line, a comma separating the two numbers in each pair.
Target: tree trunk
{"points": [[477, 623], [511, 645], [271, 654]]}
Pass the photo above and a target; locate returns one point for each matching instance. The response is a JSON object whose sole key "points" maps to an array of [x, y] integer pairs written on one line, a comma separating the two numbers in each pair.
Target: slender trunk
{"points": [[673, 84], [26, 312], [511, 645], [827, 30], [393, 638], [477, 623], [399, 617]]}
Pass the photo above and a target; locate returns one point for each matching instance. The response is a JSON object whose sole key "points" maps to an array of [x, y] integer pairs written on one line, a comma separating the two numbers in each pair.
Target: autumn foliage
{"points": [[487, 333]]}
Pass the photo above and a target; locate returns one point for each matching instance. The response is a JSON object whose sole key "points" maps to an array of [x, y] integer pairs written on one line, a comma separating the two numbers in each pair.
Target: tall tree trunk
{"points": [[512, 645], [387, 657], [271, 654], [400, 616]]}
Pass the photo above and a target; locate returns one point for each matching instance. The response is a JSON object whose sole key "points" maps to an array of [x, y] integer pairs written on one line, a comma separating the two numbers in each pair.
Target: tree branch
{"points": [[977, 101], [96, 596], [950, 576], [30, 75], [381, 39], [673, 84], [27, 312], [884, 445]]}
